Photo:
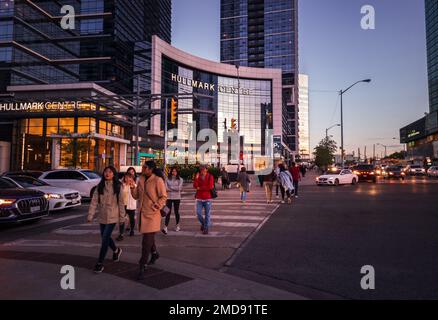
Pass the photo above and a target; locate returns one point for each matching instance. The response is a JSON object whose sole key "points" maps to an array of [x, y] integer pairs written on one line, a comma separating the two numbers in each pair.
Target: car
{"points": [[21, 205], [337, 178], [59, 198], [395, 172], [415, 170], [365, 172], [31, 173], [84, 181], [433, 172]]}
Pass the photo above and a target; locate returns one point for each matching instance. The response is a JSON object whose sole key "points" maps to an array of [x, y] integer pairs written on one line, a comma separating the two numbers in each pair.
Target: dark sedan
{"points": [[365, 172], [395, 173], [20, 205]]}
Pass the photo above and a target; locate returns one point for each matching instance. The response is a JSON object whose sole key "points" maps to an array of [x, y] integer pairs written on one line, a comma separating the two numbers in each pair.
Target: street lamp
{"points": [[327, 130], [342, 116], [386, 147]]}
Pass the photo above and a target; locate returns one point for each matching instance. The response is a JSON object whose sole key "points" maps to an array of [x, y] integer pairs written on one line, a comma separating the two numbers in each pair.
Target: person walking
{"points": [[303, 170], [286, 184], [174, 185], [107, 201], [152, 195], [204, 184], [244, 183], [225, 179], [276, 181], [295, 172], [130, 207], [268, 183]]}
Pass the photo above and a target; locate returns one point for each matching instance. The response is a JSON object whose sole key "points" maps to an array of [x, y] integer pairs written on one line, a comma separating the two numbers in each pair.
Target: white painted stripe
{"points": [[235, 224], [50, 221], [218, 211], [218, 217]]}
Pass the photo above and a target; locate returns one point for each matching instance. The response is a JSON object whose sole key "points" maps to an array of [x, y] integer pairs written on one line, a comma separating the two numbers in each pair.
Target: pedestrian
{"points": [[107, 201], [130, 206], [276, 181], [151, 193], [225, 179], [286, 184], [303, 170], [268, 183], [204, 184], [295, 172], [244, 183], [261, 178], [132, 172], [174, 185]]}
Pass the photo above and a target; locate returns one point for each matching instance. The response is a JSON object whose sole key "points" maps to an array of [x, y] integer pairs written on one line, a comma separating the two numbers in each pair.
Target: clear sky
{"points": [[336, 52]]}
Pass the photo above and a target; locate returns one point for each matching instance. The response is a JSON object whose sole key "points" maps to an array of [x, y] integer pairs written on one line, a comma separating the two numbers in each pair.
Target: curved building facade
{"points": [[218, 92]]}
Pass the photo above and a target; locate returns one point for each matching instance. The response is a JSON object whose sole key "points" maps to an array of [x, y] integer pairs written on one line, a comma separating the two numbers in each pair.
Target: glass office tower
{"points": [[264, 34], [432, 52]]}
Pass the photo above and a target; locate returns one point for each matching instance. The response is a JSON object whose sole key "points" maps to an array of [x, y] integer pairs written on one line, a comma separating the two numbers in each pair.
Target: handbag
{"points": [[164, 211]]}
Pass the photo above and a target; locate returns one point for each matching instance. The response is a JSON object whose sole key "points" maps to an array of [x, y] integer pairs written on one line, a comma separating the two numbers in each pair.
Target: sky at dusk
{"points": [[336, 52]]}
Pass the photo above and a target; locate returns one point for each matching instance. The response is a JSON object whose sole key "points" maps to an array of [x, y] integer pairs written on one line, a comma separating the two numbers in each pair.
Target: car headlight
{"points": [[6, 202], [356, 172], [54, 196], [423, 170]]}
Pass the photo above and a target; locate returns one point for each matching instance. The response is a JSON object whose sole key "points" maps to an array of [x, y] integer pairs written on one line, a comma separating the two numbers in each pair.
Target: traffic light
{"points": [[233, 124], [173, 111]]}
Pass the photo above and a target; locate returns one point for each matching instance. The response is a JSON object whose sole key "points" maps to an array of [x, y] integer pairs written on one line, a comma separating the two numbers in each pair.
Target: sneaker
{"points": [[205, 231], [120, 238], [98, 268], [282, 201], [154, 257], [117, 254], [164, 230], [202, 228], [131, 234], [178, 229], [296, 197], [141, 276]]}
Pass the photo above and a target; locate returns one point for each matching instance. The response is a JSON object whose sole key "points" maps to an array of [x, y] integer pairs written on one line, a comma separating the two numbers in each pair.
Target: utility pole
{"points": [[165, 131]]}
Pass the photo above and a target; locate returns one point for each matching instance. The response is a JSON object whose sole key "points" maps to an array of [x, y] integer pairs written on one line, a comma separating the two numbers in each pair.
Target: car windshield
{"points": [[335, 172], [5, 184], [91, 174], [29, 182], [364, 167], [392, 169]]}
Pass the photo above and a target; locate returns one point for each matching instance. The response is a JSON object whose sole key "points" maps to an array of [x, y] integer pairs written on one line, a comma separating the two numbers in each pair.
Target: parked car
{"points": [[416, 170], [30, 173], [20, 205], [335, 178], [59, 198], [433, 172], [365, 172], [395, 172], [84, 181]]}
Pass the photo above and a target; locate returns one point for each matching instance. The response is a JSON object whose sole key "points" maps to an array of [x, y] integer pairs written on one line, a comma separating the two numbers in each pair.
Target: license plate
{"points": [[35, 209], [74, 201]]}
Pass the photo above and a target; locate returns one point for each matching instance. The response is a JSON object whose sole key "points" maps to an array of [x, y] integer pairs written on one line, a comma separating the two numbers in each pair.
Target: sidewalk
{"points": [[36, 275]]}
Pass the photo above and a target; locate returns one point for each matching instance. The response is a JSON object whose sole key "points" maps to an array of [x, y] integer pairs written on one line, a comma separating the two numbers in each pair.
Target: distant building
{"points": [[303, 117]]}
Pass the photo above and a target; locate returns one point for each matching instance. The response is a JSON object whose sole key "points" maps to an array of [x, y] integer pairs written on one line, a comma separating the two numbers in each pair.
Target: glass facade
{"points": [[263, 34], [303, 116], [432, 51], [100, 48], [255, 103]]}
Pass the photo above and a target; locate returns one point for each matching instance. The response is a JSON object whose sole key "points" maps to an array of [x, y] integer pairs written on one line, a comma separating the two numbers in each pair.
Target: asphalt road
{"points": [[318, 246]]}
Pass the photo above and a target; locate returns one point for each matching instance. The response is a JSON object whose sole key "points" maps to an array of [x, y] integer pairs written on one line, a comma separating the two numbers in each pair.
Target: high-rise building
{"points": [[264, 34], [303, 116], [421, 136], [51, 77]]}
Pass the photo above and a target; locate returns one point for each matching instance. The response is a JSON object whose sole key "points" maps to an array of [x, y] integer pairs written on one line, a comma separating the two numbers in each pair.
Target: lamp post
{"points": [[386, 148], [342, 117], [327, 130]]}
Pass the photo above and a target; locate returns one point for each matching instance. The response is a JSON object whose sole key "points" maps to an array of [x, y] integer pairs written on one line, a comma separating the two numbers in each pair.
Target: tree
{"points": [[398, 155], [325, 152]]}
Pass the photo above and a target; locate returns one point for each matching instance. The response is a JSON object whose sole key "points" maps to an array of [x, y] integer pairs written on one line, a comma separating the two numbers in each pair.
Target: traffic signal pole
{"points": [[165, 132]]}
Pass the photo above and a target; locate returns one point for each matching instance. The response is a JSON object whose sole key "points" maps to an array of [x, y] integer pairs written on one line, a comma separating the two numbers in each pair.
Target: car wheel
{"points": [[336, 182], [353, 182], [92, 192]]}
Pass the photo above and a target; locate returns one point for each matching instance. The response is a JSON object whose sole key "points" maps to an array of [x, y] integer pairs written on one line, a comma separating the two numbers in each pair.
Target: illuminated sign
{"points": [[413, 133], [46, 106], [208, 86]]}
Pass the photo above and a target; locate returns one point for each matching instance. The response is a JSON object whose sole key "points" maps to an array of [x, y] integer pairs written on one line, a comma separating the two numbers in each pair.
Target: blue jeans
{"points": [[206, 205], [105, 231], [243, 196]]}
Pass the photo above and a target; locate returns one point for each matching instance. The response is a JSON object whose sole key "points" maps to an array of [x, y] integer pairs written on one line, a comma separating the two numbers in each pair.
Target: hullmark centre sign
{"points": [[46, 106], [208, 86]]}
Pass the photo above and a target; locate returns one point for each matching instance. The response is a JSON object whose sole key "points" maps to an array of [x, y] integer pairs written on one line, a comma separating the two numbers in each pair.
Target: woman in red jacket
{"points": [[203, 183]]}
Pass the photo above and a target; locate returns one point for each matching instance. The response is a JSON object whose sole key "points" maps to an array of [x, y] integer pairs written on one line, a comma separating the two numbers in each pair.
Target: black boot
{"points": [[141, 276], [154, 257]]}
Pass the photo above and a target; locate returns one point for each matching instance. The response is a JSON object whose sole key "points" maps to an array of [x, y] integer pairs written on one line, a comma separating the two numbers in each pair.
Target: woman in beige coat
{"points": [[151, 193], [107, 200]]}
